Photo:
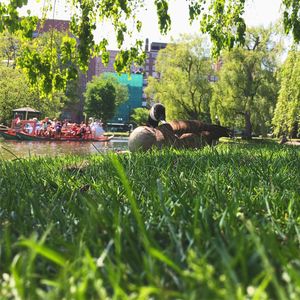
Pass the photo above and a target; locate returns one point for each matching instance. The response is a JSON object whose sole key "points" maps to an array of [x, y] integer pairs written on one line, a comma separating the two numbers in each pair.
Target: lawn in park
{"points": [[216, 223]]}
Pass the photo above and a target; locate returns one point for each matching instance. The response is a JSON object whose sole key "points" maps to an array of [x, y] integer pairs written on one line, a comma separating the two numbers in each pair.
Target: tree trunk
{"points": [[294, 131], [248, 126]]}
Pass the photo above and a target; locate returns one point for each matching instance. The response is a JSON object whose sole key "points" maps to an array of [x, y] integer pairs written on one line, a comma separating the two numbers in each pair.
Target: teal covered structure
{"points": [[134, 82]]}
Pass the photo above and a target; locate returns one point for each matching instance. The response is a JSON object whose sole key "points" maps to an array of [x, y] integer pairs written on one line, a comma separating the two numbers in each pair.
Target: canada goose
{"points": [[157, 113], [210, 133], [178, 134], [145, 137]]}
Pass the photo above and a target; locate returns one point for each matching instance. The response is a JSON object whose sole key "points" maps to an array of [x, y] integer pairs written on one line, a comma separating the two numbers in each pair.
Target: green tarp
{"points": [[135, 96]]}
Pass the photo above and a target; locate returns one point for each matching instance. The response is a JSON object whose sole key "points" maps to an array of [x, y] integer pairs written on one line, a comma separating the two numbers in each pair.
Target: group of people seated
{"points": [[57, 128]]}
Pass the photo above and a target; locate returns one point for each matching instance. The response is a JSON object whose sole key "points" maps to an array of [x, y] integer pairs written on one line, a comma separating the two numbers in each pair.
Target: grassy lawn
{"points": [[218, 223], [117, 134]]}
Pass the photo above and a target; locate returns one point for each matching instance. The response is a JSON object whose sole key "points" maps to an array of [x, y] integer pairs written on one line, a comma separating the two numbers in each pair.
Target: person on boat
{"points": [[82, 131], [66, 128], [49, 131], [58, 127], [98, 130], [93, 127], [16, 124], [64, 125], [28, 128], [74, 129], [17, 119], [38, 126], [43, 128], [48, 121], [88, 130]]}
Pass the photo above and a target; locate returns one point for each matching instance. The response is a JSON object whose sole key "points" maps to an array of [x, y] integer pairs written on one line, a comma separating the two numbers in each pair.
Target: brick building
{"points": [[48, 25], [149, 68], [135, 85]]}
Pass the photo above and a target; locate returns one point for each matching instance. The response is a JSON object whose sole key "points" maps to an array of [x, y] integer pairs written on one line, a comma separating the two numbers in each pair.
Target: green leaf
{"points": [[44, 251]]}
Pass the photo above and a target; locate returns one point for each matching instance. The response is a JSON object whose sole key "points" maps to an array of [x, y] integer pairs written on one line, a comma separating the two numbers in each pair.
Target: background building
{"points": [[151, 58], [48, 25], [136, 82], [149, 68], [135, 91]]}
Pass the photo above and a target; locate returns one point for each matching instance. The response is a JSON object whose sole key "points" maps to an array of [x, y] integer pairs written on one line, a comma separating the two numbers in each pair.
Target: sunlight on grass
{"points": [[217, 223]]}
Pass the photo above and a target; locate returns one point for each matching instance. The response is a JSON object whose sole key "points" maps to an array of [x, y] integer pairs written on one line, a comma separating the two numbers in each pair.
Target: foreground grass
{"points": [[220, 223]]}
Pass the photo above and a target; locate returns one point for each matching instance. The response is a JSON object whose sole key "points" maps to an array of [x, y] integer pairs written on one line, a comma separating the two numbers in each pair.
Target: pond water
{"points": [[13, 149]]}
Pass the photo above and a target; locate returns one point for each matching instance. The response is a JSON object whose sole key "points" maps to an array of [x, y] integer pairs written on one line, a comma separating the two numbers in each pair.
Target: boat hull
{"points": [[27, 137], [9, 135]]}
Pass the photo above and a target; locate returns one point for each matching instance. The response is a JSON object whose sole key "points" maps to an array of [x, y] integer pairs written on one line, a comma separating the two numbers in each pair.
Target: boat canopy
{"points": [[26, 112]]}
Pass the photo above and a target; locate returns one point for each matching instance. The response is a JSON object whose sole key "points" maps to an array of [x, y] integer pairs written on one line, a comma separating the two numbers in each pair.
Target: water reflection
{"points": [[13, 149]]}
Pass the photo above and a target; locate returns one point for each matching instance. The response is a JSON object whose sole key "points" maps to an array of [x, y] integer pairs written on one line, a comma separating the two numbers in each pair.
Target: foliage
{"points": [[221, 19], [220, 223], [140, 116], [52, 53], [16, 92], [13, 49], [103, 94], [9, 48], [246, 92], [183, 86], [291, 18], [288, 106]]}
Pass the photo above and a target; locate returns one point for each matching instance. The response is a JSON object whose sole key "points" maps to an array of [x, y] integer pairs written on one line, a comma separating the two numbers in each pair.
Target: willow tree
{"points": [[16, 90], [287, 113], [246, 92], [9, 48], [221, 19], [183, 86]]}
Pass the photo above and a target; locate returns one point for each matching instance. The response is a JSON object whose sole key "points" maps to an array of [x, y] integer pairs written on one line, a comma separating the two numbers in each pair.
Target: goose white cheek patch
{"points": [[152, 114]]}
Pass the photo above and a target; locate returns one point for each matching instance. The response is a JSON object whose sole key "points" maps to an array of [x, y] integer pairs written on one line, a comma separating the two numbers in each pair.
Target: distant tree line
{"points": [[221, 20], [254, 92]]}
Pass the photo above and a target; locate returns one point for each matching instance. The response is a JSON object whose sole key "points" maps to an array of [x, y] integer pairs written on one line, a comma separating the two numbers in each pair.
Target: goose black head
{"points": [[157, 113]]}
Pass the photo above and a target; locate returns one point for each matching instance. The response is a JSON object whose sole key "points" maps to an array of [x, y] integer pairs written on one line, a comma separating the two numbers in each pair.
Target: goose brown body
{"points": [[210, 133], [178, 134]]}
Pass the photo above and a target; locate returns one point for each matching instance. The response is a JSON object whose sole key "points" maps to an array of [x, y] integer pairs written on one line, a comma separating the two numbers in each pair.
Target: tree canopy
{"points": [[287, 113], [16, 92], [140, 116], [13, 52], [9, 48], [246, 92], [183, 86], [221, 19], [103, 94]]}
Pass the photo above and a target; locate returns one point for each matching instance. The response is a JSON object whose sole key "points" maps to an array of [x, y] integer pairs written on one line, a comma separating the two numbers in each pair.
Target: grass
{"points": [[117, 134], [218, 223]]}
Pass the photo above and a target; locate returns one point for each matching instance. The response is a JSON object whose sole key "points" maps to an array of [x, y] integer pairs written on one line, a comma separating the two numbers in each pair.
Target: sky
{"points": [[257, 12]]}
